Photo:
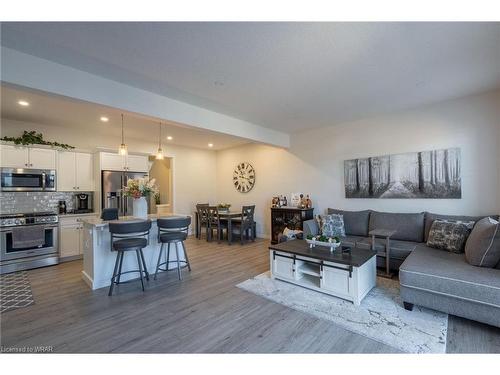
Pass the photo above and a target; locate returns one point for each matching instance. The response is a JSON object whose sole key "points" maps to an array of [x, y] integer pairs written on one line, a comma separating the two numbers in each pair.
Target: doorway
{"points": [[161, 171]]}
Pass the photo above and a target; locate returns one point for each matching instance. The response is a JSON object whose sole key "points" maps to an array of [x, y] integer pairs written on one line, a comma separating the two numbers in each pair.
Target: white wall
{"points": [[314, 163], [498, 162], [193, 169]]}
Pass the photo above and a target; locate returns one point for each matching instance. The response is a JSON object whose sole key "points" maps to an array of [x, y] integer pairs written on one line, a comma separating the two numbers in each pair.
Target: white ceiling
{"points": [[59, 111], [286, 76]]}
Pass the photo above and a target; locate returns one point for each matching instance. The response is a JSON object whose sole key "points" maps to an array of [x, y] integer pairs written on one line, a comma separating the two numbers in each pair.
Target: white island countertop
{"points": [[99, 259], [97, 222]]}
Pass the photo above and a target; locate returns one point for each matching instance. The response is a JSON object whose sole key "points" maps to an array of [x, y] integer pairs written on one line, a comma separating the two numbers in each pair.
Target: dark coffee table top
{"points": [[355, 257]]}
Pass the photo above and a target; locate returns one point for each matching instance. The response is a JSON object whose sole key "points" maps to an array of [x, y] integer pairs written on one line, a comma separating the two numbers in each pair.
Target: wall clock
{"points": [[244, 177]]}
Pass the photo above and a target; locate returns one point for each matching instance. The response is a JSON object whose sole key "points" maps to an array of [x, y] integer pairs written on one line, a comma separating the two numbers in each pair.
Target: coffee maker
{"points": [[83, 203]]}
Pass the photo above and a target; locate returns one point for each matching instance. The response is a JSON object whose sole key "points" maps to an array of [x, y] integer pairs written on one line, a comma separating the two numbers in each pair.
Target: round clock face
{"points": [[244, 177]]}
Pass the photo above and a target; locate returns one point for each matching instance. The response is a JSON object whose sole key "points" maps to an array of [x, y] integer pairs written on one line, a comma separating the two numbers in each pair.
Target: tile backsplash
{"points": [[17, 202]]}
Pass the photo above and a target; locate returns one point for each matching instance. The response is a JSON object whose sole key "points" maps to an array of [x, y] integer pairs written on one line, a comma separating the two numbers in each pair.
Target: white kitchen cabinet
{"points": [[84, 171], [27, 157], [112, 162], [74, 171], [66, 171], [71, 236], [42, 158], [116, 162], [14, 156], [69, 240], [137, 163]]}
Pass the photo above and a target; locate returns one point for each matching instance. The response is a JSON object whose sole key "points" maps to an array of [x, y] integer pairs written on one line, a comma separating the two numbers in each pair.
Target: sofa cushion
{"points": [[408, 227], [355, 222], [430, 217], [449, 274], [449, 236], [483, 245], [399, 249], [351, 240]]}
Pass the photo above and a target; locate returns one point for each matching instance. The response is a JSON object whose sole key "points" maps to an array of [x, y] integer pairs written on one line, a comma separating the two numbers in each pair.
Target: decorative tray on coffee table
{"points": [[332, 242]]}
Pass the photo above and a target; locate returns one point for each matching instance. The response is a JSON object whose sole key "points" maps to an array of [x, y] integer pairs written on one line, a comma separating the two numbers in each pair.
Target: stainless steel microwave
{"points": [[21, 179]]}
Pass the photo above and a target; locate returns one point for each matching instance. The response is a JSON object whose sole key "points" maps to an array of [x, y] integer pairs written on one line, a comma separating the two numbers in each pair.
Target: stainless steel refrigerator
{"points": [[112, 184]]}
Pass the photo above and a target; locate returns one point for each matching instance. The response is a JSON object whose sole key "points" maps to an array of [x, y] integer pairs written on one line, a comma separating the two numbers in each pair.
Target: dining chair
{"points": [[245, 224], [202, 212], [214, 222]]}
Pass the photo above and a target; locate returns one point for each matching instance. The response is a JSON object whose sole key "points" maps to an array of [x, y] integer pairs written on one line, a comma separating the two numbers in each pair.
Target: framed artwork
{"points": [[426, 174]]}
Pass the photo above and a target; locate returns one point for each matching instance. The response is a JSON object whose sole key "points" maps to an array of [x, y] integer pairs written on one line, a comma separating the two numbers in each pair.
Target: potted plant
{"points": [[224, 207], [156, 196], [161, 209], [140, 189]]}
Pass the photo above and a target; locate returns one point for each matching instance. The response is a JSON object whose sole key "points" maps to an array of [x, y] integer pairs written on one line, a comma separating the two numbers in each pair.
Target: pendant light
{"points": [[123, 147], [159, 153]]}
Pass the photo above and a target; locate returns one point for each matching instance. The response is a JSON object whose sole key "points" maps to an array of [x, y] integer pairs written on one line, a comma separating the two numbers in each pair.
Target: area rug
{"points": [[15, 291], [380, 316]]}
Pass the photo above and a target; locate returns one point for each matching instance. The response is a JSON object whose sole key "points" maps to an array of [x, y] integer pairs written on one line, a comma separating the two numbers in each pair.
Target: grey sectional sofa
{"points": [[428, 277]]}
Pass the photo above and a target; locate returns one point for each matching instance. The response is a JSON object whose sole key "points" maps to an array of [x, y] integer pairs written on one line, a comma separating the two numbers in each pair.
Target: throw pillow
{"points": [[447, 235], [319, 222], [483, 245], [291, 234], [469, 224], [333, 225]]}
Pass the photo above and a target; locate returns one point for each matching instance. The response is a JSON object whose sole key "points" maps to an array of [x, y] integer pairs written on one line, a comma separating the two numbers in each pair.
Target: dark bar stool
{"points": [[131, 236], [109, 214], [173, 230]]}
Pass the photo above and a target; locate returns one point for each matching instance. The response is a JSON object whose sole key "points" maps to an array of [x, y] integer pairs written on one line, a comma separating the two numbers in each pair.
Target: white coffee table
{"points": [[347, 273]]}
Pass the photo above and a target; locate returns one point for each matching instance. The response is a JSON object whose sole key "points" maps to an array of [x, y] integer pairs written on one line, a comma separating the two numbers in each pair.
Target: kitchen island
{"points": [[99, 260]]}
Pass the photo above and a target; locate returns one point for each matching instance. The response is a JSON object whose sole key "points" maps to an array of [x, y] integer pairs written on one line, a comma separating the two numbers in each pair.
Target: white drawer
{"points": [[73, 219]]}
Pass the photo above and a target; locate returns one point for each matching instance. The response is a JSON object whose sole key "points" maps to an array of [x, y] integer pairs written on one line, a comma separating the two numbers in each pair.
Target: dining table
{"points": [[223, 215]]}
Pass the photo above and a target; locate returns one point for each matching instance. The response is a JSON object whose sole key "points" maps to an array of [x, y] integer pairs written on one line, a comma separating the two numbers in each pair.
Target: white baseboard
{"points": [[87, 279]]}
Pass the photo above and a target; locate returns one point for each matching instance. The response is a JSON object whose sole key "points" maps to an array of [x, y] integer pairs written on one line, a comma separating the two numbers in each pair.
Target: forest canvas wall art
{"points": [[426, 174]]}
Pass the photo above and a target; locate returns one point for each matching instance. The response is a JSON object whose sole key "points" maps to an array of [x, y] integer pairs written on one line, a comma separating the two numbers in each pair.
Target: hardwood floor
{"points": [[203, 313]]}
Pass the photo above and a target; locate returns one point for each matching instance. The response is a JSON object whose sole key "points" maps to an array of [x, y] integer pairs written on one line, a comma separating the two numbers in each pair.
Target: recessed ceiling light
{"points": [[169, 138], [104, 119], [24, 103], [210, 145]]}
